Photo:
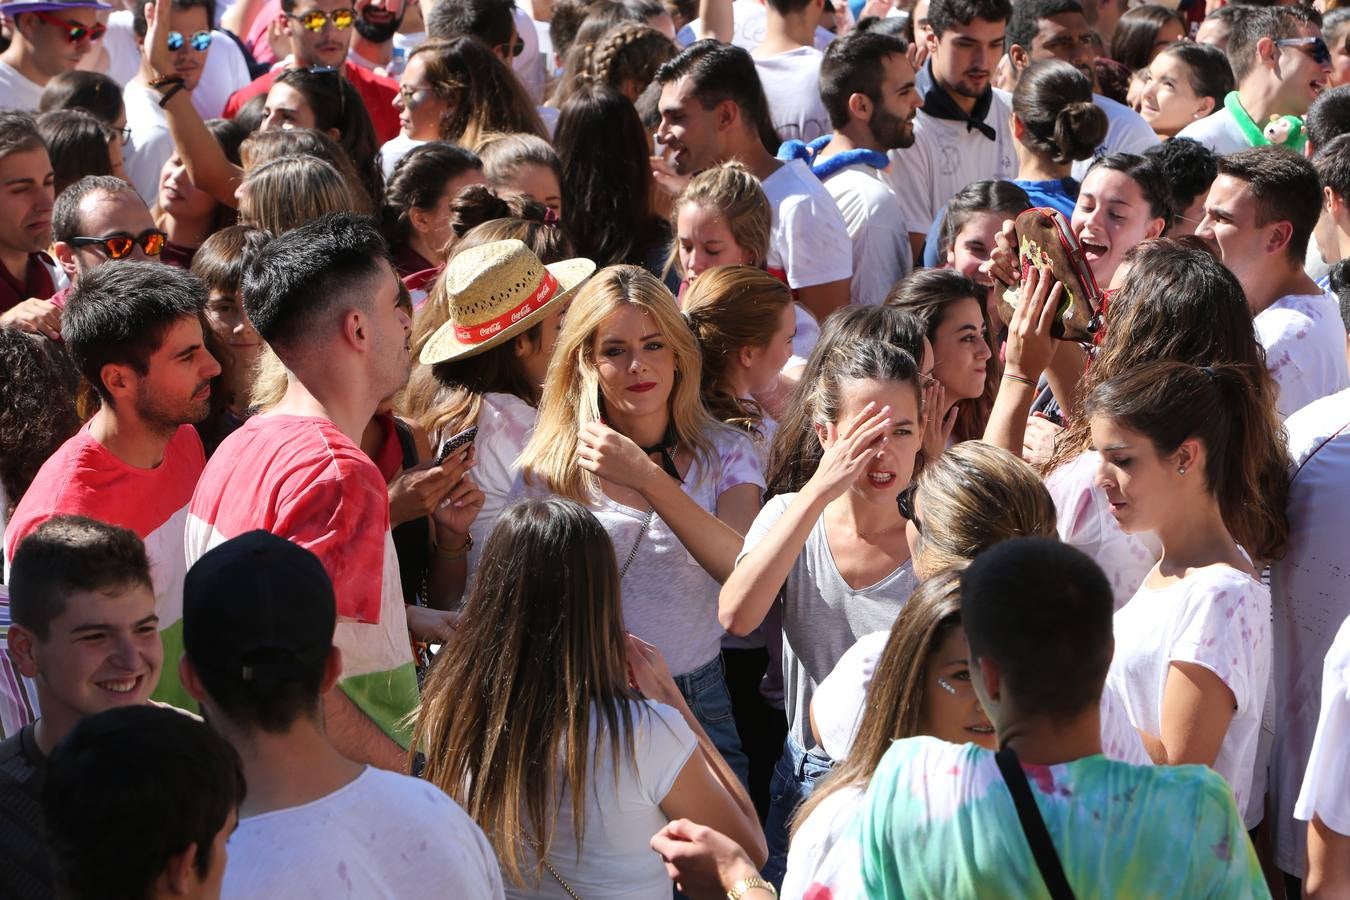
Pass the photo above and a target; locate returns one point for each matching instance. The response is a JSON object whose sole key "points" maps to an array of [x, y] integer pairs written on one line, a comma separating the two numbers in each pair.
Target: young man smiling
{"points": [[85, 631], [962, 134], [134, 332]]}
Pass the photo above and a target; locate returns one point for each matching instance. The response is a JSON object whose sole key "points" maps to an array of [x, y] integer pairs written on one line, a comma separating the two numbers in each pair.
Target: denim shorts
{"points": [[705, 690]]}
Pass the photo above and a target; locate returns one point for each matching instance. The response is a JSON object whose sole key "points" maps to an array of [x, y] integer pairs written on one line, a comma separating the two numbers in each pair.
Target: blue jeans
{"points": [[794, 778], [705, 690]]}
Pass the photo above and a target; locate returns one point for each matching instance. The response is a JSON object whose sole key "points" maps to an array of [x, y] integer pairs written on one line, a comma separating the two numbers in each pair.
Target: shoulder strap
{"points": [[1033, 826]]}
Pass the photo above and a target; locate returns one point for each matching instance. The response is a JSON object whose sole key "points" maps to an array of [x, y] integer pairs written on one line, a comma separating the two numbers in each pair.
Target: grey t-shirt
{"points": [[822, 616]]}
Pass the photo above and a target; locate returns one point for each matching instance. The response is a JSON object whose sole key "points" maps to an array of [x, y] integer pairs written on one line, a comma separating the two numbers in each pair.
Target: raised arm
{"points": [[201, 153], [1030, 349]]}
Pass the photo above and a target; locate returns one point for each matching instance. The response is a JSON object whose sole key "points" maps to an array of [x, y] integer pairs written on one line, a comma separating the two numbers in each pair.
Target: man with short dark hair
{"points": [[1259, 214], [867, 85], [139, 802], [962, 134], [84, 631], [939, 819], [258, 620], [1328, 117], [320, 33], [713, 109], [46, 38], [1280, 64], [27, 273], [491, 21], [151, 145], [1332, 233], [325, 298], [1058, 29], [134, 331], [99, 219]]}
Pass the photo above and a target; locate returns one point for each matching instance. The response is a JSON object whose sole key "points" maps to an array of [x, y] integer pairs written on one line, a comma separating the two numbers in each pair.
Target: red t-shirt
{"points": [[377, 91], [37, 282]]}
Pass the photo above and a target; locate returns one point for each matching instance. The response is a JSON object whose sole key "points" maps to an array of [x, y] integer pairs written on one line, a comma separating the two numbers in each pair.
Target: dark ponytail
{"points": [[1053, 100], [1219, 405]]}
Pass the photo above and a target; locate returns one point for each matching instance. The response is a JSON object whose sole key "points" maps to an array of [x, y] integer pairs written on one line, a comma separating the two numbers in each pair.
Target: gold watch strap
{"points": [[745, 884]]}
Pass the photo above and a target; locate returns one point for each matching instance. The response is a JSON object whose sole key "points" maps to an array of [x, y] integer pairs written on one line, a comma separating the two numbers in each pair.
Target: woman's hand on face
{"points": [[1030, 346], [648, 672], [937, 425], [1003, 266], [851, 450], [614, 457]]}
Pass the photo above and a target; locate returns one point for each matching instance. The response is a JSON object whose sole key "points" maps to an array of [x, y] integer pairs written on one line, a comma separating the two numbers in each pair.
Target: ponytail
{"points": [[1222, 407], [1053, 101]]}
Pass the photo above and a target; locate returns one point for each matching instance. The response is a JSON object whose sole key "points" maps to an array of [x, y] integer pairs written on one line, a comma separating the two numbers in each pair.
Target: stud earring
{"points": [[1181, 470]]}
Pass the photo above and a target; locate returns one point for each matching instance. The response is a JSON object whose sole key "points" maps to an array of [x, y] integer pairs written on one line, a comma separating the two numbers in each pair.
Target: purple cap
{"points": [[15, 7]]}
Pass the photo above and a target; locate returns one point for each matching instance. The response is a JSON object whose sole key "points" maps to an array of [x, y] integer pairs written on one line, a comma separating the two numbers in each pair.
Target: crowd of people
{"points": [[625, 448]]}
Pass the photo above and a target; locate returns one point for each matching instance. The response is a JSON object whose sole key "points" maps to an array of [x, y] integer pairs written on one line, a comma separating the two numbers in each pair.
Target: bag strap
{"points": [[1033, 826]]}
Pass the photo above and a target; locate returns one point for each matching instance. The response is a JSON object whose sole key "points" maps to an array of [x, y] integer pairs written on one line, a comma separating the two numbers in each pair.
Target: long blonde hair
{"points": [[894, 705], [572, 390], [973, 496], [506, 711]]}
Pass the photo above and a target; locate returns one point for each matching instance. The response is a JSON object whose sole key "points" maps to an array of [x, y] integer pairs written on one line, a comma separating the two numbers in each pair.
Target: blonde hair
{"points": [[972, 497], [731, 190], [285, 193], [572, 390], [727, 308]]}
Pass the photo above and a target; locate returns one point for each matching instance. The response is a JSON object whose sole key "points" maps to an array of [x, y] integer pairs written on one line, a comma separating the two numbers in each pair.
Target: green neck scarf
{"points": [[1254, 134]]}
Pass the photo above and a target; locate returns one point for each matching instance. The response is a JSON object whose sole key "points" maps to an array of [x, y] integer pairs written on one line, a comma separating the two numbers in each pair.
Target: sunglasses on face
{"points": [[315, 20], [905, 503], [412, 97], [119, 246], [75, 32], [199, 40], [1315, 47], [517, 48]]}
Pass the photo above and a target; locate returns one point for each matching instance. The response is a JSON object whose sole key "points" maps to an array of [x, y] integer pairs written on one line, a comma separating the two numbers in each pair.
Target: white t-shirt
{"points": [[1083, 519], [669, 600], [881, 251], [1326, 787], [841, 699], [1126, 132], [791, 83], [393, 150], [1218, 618], [382, 835], [151, 145], [823, 616], [224, 72], [1304, 339], [808, 240], [1310, 594], [615, 859], [946, 157], [505, 423], [18, 92], [817, 836], [747, 27], [1218, 131]]}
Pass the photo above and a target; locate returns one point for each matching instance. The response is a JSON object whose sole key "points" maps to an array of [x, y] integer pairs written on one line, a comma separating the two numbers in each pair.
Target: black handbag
{"points": [[1033, 826]]}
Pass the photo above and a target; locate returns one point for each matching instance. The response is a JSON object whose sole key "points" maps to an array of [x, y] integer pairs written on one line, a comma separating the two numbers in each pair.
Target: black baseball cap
{"points": [[258, 608]]}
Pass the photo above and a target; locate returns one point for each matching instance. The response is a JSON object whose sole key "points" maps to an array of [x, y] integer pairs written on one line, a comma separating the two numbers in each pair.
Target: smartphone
{"points": [[454, 443]]}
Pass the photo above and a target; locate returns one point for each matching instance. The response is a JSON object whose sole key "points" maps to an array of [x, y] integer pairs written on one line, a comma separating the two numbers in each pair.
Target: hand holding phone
{"points": [[454, 443]]}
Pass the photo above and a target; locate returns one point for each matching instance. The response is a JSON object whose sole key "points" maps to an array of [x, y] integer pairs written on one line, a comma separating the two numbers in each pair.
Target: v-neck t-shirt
{"points": [[822, 615]]}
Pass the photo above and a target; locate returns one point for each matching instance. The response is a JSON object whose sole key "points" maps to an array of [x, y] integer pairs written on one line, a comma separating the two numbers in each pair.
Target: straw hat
{"points": [[496, 291]]}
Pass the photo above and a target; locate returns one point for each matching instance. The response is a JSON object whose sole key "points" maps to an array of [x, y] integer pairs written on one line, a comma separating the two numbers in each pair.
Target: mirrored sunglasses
{"points": [[315, 20], [200, 40], [75, 32], [119, 246]]}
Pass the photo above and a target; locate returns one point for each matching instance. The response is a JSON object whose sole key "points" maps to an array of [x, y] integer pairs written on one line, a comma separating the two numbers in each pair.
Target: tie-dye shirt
{"points": [[938, 821]]}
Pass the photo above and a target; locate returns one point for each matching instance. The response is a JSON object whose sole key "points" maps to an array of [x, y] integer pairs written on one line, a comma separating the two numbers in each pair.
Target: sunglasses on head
{"points": [[905, 503], [75, 32], [315, 20], [119, 246], [341, 89], [199, 40], [1315, 47]]}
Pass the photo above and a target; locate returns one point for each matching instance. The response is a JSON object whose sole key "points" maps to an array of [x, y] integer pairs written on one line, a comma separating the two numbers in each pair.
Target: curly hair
{"points": [[37, 408]]}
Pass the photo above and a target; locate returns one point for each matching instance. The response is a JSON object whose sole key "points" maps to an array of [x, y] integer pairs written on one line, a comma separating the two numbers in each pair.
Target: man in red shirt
{"points": [[320, 32]]}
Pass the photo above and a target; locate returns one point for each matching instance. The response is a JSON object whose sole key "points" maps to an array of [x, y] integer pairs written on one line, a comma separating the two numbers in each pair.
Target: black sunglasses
{"points": [[120, 245], [341, 88], [1314, 46], [904, 501]]}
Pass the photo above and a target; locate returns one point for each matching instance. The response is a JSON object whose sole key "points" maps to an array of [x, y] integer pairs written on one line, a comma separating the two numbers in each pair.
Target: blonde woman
{"points": [[622, 428], [565, 767]]}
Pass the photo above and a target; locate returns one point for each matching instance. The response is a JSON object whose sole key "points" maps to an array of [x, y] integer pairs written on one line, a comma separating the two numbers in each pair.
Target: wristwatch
{"points": [[745, 884]]}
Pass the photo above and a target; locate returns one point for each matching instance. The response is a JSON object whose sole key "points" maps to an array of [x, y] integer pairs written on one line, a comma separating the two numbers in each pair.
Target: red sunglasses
{"points": [[75, 32]]}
